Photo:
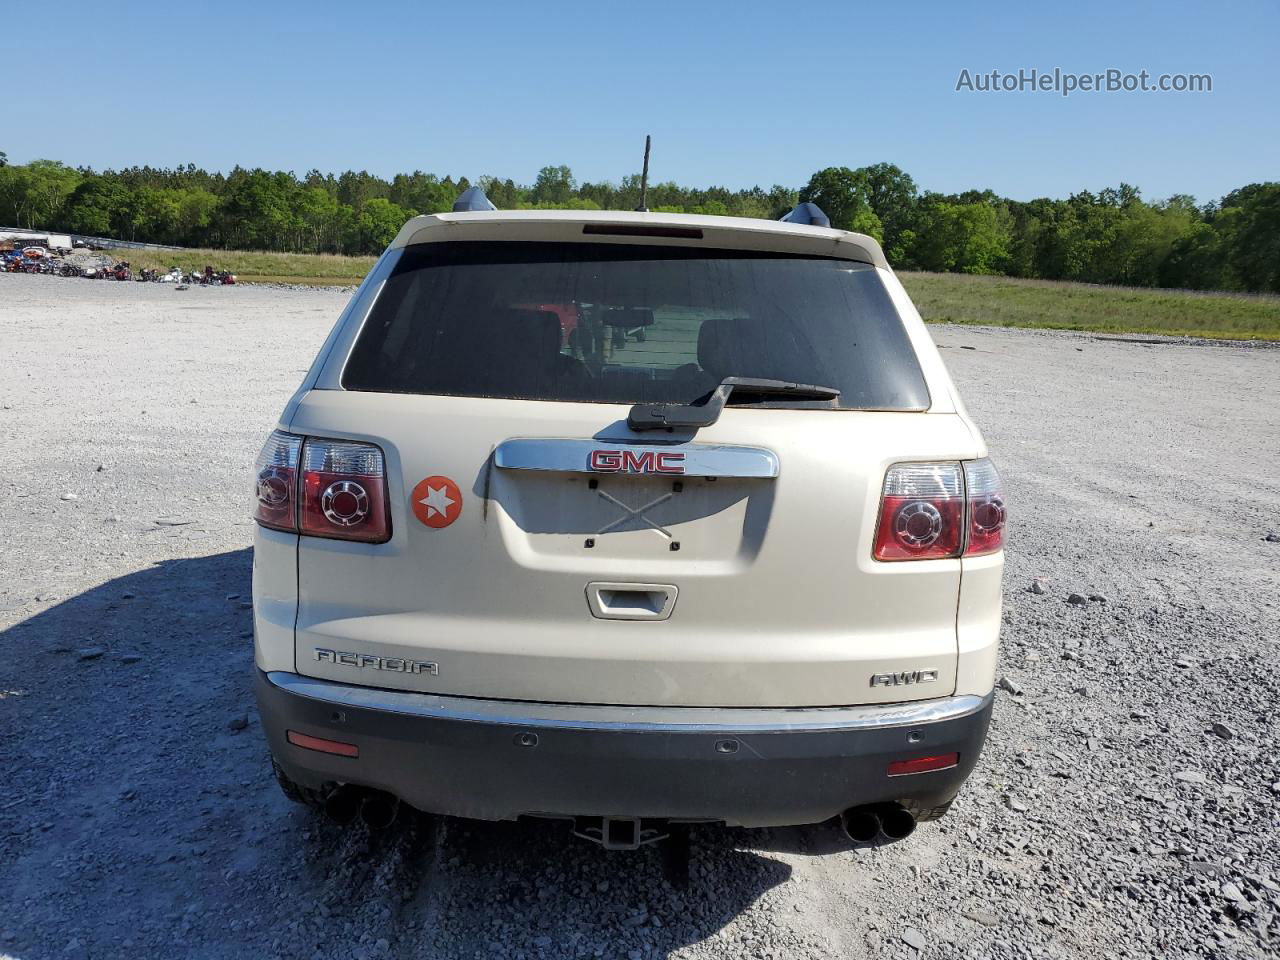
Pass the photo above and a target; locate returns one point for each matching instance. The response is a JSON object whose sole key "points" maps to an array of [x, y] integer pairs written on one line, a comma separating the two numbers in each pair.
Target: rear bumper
{"points": [[497, 760]]}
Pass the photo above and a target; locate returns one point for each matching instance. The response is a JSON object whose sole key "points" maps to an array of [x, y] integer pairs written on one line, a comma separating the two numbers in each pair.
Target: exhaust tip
{"points": [[379, 810], [896, 822], [860, 824], [342, 805]]}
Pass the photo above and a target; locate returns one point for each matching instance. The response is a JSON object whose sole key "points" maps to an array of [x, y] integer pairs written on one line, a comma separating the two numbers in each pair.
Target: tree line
{"points": [[1113, 236]]}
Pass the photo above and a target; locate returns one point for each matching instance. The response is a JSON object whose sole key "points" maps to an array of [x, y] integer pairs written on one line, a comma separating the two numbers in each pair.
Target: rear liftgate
{"points": [[636, 601]]}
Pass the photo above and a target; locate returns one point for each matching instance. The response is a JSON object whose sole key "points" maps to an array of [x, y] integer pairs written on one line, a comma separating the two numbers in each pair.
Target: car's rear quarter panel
{"points": [[275, 598]]}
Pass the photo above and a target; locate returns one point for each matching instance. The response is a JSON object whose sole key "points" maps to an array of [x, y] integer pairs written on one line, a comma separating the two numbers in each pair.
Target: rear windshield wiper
{"points": [[666, 416]]}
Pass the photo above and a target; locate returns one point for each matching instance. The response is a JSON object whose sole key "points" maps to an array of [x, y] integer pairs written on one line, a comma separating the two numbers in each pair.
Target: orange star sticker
{"points": [[436, 501]]}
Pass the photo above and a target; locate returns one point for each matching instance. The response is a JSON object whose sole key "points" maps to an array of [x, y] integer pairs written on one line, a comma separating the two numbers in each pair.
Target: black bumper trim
{"points": [[497, 760]]}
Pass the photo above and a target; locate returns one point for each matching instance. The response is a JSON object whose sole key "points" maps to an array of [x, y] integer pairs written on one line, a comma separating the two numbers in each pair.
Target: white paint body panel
{"points": [[275, 598]]}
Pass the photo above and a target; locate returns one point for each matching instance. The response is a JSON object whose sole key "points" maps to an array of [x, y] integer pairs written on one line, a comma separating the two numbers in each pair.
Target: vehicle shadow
{"points": [[138, 814]]}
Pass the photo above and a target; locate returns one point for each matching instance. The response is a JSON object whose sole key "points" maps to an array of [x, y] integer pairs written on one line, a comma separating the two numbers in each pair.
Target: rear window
{"points": [[621, 323]]}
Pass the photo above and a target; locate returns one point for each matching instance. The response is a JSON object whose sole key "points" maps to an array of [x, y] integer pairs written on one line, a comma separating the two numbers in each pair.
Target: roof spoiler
{"points": [[807, 213]]}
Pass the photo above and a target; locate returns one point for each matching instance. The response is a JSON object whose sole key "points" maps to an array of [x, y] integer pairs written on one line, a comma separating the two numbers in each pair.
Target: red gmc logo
{"points": [[629, 461]]}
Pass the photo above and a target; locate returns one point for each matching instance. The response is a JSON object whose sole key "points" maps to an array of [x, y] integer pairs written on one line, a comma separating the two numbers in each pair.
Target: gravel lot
{"points": [[1128, 804]]}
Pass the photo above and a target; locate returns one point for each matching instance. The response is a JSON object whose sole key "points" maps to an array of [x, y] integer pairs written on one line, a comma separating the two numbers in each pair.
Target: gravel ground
{"points": [[1128, 804]]}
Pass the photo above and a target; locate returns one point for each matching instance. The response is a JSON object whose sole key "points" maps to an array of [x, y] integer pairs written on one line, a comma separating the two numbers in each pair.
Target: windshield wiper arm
{"points": [[666, 416]]}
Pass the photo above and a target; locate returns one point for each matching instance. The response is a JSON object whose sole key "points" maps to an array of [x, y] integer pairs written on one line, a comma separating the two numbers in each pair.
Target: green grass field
{"points": [[1008, 302], [941, 297]]}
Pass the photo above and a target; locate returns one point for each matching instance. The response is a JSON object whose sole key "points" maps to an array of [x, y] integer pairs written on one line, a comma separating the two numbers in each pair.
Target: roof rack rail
{"points": [[472, 199], [807, 213]]}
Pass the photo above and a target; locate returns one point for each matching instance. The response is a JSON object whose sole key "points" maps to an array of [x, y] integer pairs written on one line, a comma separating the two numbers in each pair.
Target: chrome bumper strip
{"points": [[624, 719], [627, 456]]}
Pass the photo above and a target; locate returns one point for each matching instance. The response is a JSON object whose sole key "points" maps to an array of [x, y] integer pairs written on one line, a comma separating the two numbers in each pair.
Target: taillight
{"points": [[934, 510], [322, 488], [985, 495], [344, 491], [276, 484], [921, 512]]}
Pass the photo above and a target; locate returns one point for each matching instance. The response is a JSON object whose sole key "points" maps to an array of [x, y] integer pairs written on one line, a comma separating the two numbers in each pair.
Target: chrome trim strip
{"points": [[620, 719], [573, 456]]}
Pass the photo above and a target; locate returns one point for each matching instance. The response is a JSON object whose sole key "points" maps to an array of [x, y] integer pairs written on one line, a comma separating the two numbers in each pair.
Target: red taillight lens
{"points": [[344, 491], [276, 483], [985, 495], [921, 512], [930, 511], [944, 761]]}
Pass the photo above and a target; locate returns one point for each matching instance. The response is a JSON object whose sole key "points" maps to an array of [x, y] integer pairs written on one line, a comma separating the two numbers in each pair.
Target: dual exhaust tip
{"points": [[892, 821], [376, 809]]}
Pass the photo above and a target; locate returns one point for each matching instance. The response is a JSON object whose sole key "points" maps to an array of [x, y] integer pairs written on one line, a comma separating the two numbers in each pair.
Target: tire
{"points": [[295, 791]]}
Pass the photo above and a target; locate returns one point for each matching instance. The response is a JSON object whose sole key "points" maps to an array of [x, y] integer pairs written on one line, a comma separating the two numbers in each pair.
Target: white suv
{"points": [[632, 519]]}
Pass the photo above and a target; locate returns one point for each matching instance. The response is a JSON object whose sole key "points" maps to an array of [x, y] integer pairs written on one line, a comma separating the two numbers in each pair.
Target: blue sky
{"points": [[734, 94]]}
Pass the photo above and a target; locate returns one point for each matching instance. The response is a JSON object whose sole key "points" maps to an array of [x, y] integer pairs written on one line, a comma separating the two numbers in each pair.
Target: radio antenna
{"points": [[644, 179]]}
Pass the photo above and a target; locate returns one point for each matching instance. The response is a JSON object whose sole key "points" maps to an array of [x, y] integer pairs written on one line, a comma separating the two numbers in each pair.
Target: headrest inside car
{"points": [[756, 347], [509, 347]]}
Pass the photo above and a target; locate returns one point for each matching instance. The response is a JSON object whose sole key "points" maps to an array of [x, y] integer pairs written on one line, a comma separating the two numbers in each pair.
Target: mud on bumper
{"points": [[497, 760]]}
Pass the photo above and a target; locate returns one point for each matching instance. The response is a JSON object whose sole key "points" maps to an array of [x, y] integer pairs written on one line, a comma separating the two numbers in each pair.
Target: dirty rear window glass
{"points": [[622, 323]]}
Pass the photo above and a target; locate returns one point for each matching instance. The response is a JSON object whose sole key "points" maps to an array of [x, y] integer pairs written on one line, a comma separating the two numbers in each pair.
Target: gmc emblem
{"points": [[631, 461]]}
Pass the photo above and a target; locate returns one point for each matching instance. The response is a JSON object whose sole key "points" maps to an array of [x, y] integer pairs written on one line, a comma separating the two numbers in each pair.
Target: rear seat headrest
{"points": [[754, 347], [533, 334], [726, 346], [514, 347]]}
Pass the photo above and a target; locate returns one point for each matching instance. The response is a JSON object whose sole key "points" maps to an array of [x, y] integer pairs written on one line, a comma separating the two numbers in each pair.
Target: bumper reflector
{"points": [[323, 746], [945, 761]]}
